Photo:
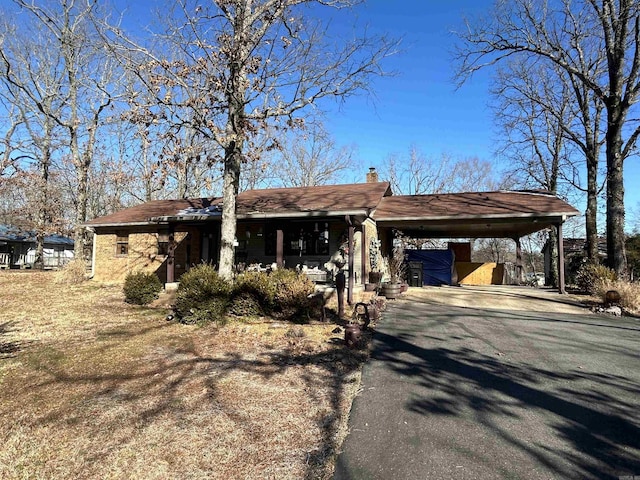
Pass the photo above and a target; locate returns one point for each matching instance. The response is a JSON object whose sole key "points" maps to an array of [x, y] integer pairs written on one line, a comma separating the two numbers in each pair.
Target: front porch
{"points": [[318, 247]]}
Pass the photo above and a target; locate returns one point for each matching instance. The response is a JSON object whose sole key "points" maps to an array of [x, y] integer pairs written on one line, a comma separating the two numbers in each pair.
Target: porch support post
{"points": [[561, 286], [352, 252], [518, 260], [171, 256], [280, 248], [364, 251]]}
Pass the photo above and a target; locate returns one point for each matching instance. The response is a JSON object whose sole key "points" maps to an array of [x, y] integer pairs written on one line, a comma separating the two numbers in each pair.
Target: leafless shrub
{"points": [[73, 273], [629, 293]]}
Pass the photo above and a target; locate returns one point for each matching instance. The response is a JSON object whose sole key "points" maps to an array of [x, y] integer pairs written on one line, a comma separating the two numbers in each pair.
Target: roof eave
{"points": [[119, 224], [261, 215], [562, 215]]}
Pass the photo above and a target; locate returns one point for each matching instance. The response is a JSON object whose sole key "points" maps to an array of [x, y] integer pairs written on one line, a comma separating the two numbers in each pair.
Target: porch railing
{"points": [[28, 259]]}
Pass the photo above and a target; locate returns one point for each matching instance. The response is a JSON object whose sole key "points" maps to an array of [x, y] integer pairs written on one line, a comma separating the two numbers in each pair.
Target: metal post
{"points": [[561, 286]]}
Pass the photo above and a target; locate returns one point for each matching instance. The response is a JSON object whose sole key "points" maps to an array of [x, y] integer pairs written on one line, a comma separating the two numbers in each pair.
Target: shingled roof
{"points": [[13, 234], [472, 205], [502, 214], [360, 198]]}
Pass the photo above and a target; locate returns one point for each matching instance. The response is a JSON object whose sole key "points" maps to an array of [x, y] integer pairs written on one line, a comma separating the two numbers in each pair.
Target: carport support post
{"points": [[561, 286], [352, 252], [518, 260]]}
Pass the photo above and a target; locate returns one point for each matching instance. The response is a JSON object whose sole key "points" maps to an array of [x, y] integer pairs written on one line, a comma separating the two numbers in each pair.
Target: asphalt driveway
{"points": [[473, 383]]}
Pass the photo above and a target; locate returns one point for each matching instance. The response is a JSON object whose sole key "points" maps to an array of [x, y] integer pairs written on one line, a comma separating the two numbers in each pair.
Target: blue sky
{"points": [[419, 105]]}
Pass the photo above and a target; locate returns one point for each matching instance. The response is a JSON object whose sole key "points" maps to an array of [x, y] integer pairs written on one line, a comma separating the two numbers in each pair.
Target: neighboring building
{"points": [[18, 249], [308, 226], [575, 253]]}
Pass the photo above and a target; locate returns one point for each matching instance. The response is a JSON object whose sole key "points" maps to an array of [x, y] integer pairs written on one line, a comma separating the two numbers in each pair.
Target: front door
{"points": [[210, 244]]}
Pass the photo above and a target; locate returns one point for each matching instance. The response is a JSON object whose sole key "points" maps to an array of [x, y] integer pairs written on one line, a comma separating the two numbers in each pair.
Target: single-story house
{"points": [[18, 249], [308, 226]]}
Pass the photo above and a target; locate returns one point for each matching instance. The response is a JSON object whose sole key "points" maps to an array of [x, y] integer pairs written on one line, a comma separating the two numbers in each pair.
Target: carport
{"points": [[500, 214]]}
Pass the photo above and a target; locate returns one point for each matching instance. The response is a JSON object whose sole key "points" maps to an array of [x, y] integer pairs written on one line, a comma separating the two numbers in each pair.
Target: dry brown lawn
{"points": [[91, 387]]}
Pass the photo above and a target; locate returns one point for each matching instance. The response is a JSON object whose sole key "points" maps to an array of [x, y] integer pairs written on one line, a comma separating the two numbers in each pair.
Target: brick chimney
{"points": [[372, 175]]}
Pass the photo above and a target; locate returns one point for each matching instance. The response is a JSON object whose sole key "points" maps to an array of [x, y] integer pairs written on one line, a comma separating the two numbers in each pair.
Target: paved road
{"points": [[456, 392]]}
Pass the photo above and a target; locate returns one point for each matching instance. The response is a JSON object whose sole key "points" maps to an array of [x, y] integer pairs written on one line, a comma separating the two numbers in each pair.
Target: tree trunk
{"points": [[43, 211], [231, 182], [82, 175], [616, 254], [38, 263], [591, 213], [235, 135]]}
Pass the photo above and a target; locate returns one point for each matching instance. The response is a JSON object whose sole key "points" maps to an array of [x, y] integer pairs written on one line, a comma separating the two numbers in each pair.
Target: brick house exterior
{"points": [[308, 226]]}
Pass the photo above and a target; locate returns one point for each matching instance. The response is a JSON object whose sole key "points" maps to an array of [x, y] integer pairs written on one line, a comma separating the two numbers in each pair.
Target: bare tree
{"points": [[418, 174], [31, 83], [570, 34], [635, 219], [89, 83], [229, 68], [539, 106], [310, 157], [11, 147], [533, 112]]}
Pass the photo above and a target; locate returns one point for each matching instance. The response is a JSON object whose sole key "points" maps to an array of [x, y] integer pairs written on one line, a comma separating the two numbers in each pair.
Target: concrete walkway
{"points": [[527, 387]]}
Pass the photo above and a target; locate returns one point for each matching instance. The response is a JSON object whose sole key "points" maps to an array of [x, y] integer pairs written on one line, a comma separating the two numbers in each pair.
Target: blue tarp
{"points": [[438, 266]]}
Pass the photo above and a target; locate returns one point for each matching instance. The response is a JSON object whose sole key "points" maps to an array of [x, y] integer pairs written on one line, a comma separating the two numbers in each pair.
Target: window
{"points": [[163, 242], [122, 244], [300, 238]]}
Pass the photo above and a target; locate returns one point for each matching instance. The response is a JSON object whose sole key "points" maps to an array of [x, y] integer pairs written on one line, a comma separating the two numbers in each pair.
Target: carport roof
{"points": [[474, 214]]}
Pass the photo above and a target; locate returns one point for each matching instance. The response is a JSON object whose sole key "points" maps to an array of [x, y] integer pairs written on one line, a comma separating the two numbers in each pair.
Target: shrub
{"points": [[296, 332], [141, 288], [591, 276], [254, 294], [202, 296], [292, 292], [74, 272], [244, 304], [629, 293]]}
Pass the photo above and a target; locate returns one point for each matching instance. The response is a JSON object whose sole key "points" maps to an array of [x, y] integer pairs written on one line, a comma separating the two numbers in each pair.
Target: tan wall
{"points": [[357, 257], [470, 273], [370, 231], [143, 251], [143, 255]]}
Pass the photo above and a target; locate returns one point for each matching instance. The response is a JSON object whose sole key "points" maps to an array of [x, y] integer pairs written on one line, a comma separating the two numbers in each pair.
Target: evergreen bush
{"points": [[141, 288], [202, 297], [591, 276], [245, 304], [254, 294], [292, 294]]}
